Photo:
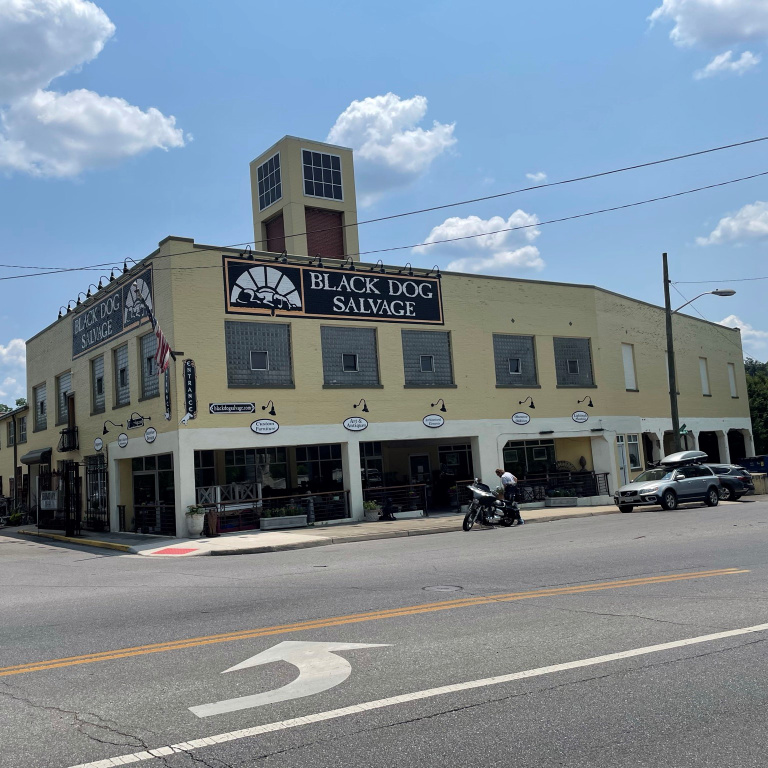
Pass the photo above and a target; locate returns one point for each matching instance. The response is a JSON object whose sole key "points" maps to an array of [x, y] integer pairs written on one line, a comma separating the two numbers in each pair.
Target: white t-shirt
{"points": [[508, 479]]}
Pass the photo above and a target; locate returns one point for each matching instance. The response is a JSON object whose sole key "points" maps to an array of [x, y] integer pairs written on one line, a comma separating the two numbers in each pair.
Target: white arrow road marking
{"points": [[356, 709], [319, 669]]}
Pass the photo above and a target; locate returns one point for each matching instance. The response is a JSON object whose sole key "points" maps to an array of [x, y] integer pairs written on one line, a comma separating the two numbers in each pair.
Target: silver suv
{"points": [[679, 478]]}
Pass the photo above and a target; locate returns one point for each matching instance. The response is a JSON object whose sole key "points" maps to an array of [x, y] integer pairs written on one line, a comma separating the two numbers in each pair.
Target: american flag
{"points": [[163, 354]]}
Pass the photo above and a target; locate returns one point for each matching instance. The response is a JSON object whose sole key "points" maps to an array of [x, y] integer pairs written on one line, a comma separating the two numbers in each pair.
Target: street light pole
{"points": [[671, 362]]}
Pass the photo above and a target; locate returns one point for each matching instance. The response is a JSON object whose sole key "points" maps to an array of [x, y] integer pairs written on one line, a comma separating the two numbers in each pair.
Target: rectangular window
{"points": [[427, 363], [732, 379], [349, 363], [339, 345], [11, 438], [41, 416], [63, 387], [122, 382], [97, 384], [628, 357], [258, 354], [259, 360], [22, 429], [150, 381], [427, 358], [269, 182], [704, 376], [268, 466], [633, 449], [573, 362], [515, 366], [515, 360], [322, 175]]}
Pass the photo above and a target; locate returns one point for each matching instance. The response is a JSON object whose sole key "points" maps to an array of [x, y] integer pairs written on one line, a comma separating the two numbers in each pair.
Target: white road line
{"points": [[246, 733]]}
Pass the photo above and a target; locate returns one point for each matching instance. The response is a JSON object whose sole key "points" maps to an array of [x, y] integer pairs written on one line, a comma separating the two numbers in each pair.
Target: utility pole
{"points": [[671, 362]]}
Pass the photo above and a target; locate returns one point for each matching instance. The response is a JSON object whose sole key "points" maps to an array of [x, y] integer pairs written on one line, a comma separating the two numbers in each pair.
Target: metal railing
{"points": [[154, 518], [68, 440], [406, 497], [579, 484]]}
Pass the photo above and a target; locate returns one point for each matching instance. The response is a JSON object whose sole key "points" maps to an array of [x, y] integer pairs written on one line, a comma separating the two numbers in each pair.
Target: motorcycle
{"points": [[487, 509]]}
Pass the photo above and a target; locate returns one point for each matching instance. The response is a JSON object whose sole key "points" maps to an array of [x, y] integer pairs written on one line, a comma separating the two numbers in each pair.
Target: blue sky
{"points": [[126, 122]]}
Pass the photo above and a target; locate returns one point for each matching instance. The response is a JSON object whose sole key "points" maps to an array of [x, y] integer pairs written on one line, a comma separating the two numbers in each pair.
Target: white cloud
{"points": [[12, 370], [724, 64], [755, 342], [714, 22], [498, 252], [46, 133], [538, 178], [391, 150], [749, 223]]}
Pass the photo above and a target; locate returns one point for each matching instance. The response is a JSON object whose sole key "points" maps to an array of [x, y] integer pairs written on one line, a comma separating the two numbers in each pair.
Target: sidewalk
{"points": [[254, 542]]}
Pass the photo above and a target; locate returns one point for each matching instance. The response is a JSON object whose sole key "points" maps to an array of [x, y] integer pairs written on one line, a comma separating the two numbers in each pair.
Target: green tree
{"points": [[21, 402], [757, 392], [5, 408]]}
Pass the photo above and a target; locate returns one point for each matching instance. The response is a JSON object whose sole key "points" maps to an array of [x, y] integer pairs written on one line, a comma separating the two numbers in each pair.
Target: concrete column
{"points": [[749, 443], [183, 483], [604, 458], [113, 482], [350, 466], [487, 458], [722, 446], [693, 441]]}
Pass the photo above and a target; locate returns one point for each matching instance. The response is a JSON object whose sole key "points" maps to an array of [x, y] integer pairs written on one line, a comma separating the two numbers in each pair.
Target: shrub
{"points": [[371, 505], [15, 518]]}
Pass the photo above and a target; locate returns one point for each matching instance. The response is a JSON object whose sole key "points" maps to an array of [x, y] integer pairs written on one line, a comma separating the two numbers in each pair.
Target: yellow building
{"points": [[307, 381]]}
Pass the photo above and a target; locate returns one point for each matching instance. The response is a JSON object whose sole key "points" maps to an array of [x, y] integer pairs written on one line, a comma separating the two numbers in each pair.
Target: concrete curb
{"points": [[82, 542]]}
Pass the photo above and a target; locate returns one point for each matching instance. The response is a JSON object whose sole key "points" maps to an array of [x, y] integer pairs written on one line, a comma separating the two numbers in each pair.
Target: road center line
{"points": [[335, 621], [334, 714]]}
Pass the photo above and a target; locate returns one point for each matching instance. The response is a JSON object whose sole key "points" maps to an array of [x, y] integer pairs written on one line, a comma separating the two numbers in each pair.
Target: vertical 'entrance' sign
{"points": [[190, 391]]}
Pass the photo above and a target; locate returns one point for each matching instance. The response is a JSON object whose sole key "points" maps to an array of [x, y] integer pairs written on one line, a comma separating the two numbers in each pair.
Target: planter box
{"points": [[409, 514], [290, 521], [561, 501]]}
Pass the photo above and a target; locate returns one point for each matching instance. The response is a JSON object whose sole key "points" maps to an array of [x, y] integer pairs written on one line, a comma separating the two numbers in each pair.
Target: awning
{"points": [[40, 456]]}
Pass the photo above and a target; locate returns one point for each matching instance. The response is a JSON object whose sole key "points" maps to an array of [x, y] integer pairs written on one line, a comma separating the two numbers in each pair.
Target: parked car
{"points": [[679, 478], [735, 481]]}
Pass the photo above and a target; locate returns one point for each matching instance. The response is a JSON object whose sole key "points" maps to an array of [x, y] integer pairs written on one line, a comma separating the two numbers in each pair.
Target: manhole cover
{"points": [[443, 588]]}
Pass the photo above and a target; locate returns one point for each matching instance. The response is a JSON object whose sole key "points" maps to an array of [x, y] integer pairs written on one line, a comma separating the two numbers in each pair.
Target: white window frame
{"points": [[568, 367], [732, 380], [431, 359], [519, 370], [634, 440], [630, 370], [539, 454], [264, 352], [706, 390], [344, 369]]}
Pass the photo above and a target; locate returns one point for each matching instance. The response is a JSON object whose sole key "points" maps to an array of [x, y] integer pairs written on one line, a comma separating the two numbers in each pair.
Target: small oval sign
{"points": [[150, 435], [264, 426], [98, 444], [355, 424], [122, 439], [521, 418], [433, 421], [580, 416]]}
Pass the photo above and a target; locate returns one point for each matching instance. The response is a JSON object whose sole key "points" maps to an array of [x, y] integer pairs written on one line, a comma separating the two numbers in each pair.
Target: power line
{"points": [[729, 280]]}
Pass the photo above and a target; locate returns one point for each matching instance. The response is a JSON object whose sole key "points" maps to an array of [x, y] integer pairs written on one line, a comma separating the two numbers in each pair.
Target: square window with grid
{"points": [[514, 360], [427, 358], [269, 181], [322, 175], [258, 354], [344, 347], [573, 362]]}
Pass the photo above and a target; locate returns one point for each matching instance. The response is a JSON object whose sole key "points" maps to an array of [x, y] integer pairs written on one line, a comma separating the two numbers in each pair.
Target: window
{"points": [[573, 367], [633, 449], [350, 356], [322, 175], [41, 416], [11, 437], [515, 360], [573, 362], [427, 358], [529, 458], [63, 387], [349, 362], [22, 429], [258, 354], [150, 381], [97, 384], [122, 384], [319, 468], [269, 182], [259, 360], [205, 469], [628, 357], [269, 466], [732, 379], [427, 363], [704, 377]]}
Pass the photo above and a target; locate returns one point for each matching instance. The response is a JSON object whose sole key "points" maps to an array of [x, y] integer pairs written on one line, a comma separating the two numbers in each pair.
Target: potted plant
{"points": [[195, 519], [371, 511]]}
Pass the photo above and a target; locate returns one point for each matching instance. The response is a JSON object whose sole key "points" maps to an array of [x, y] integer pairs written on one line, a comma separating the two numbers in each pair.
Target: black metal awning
{"points": [[39, 456]]}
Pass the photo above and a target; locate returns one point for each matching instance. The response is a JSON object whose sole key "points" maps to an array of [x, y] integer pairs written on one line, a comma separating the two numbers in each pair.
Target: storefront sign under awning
{"points": [[39, 456]]}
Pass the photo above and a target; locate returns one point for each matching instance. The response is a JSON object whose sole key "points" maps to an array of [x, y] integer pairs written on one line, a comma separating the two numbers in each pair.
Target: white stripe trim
{"points": [[188, 746]]}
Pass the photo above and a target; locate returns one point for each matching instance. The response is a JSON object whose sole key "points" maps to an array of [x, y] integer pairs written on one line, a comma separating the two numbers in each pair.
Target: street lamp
{"points": [[671, 349]]}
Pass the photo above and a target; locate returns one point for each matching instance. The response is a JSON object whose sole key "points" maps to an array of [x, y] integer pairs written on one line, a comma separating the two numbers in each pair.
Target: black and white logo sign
{"points": [[580, 416], [122, 439], [355, 424], [231, 408], [433, 421], [521, 418], [264, 426], [135, 422], [98, 444], [150, 435], [265, 288]]}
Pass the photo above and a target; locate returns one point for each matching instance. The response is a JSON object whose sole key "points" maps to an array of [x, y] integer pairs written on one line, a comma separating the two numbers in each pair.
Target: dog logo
{"points": [[265, 288]]}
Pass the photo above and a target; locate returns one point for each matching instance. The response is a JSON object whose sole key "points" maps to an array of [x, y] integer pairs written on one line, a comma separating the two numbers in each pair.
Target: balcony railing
{"points": [[68, 440]]}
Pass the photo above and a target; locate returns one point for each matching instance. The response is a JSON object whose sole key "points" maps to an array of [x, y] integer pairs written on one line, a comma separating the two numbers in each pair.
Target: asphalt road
{"points": [[102, 655]]}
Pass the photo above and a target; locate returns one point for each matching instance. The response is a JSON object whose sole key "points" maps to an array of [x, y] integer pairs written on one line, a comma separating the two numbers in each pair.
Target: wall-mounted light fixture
{"points": [[69, 309], [349, 264], [379, 265], [318, 260], [125, 264], [101, 279], [112, 276], [271, 406], [442, 407], [589, 404], [104, 430], [365, 405], [521, 402], [402, 269], [78, 297], [89, 294], [436, 270], [61, 313]]}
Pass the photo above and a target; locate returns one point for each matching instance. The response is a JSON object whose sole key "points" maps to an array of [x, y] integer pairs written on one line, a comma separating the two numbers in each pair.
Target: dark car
{"points": [[735, 481]]}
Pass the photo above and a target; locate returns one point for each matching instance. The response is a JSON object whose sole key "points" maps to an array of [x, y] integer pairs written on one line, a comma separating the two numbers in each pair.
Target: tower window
{"points": [[269, 181], [322, 175]]}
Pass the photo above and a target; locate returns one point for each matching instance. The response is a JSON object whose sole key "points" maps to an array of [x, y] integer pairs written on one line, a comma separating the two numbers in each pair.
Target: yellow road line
{"points": [[355, 618]]}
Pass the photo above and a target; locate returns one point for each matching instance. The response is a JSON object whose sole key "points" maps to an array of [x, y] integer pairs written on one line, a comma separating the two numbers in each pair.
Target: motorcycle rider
{"points": [[508, 484]]}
